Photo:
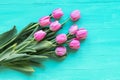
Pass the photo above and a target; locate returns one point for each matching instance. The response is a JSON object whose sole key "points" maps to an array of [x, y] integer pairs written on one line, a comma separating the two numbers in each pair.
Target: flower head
{"points": [[73, 29], [54, 26], [61, 38], [44, 21], [81, 33], [39, 35], [60, 51], [57, 13], [75, 15], [74, 44]]}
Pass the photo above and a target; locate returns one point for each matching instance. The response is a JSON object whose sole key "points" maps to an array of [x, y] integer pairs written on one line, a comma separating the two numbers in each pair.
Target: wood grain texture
{"points": [[99, 56]]}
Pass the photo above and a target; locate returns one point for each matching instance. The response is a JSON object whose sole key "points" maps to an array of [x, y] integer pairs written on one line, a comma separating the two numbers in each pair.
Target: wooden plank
{"points": [[98, 58]]}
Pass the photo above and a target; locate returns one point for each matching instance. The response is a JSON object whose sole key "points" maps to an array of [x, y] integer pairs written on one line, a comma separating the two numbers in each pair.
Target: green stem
{"points": [[24, 46], [37, 24], [68, 35], [50, 16], [47, 30], [65, 21]]}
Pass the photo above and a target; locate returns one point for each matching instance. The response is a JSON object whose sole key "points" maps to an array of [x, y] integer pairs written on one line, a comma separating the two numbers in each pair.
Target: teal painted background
{"points": [[99, 55]]}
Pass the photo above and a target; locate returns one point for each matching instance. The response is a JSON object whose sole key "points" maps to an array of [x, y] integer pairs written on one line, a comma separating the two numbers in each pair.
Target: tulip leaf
{"points": [[36, 24], [15, 56], [34, 57], [7, 36], [21, 57], [41, 45], [22, 35], [6, 53], [22, 67], [29, 50]]}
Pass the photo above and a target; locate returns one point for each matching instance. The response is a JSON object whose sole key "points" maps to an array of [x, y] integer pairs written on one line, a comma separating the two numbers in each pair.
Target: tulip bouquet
{"points": [[39, 40]]}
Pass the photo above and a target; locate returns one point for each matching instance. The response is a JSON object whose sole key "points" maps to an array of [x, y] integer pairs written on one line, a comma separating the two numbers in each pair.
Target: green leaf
{"points": [[26, 27], [36, 24], [22, 35], [31, 35], [23, 45], [7, 36], [6, 53], [34, 57], [31, 50], [41, 45], [21, 57], [15, 56], [50, 34], [23, 68]]}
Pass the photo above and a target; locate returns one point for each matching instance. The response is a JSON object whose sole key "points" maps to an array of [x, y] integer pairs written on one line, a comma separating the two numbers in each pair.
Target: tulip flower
{"points": [[74, 44], [73, 29], [60, 51], [54, 26], [57, 13], [44, 21], [81, 33], [61, 38], [75, 15], [39, 35]]}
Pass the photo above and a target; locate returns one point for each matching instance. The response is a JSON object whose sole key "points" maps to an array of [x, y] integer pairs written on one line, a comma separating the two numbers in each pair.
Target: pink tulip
{"points": [[75, 15], [74, 44], [81, 33], [39, 35], [44, 21], [60, 51], [54, 26], [73, 29], [61, 38], [57, 13]]}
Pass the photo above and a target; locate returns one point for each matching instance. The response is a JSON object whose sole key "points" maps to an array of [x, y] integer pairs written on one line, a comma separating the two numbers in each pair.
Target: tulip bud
{"points": [[57, 13], [81, 33], [75, 15], [39, 35], [74, 44], [60, 51], [61, 38], [73, 29], [44, 21], [54, 26]]}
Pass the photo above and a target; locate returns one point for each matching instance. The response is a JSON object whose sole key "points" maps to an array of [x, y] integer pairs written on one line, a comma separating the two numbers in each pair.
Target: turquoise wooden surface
{"points": [[99, 55]]}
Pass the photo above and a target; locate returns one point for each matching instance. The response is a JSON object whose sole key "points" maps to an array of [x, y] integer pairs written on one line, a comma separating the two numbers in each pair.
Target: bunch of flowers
{"points": [[39, 40]]}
